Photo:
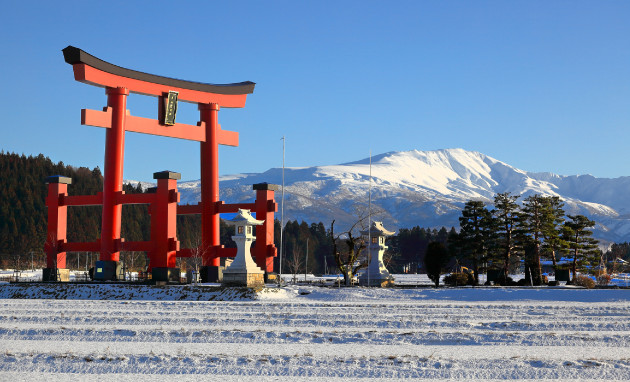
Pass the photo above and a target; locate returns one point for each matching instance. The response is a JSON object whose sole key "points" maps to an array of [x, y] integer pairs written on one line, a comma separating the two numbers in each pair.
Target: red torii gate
{"points": [[163, 247]]}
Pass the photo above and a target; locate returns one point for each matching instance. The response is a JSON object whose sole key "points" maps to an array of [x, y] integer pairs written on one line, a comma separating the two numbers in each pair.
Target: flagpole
{"points": [[369, 222], [281, 213]]}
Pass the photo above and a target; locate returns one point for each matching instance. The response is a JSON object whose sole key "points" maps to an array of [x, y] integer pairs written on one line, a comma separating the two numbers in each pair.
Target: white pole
{"points": [[282, 212], [369, 222], [306, 259]]}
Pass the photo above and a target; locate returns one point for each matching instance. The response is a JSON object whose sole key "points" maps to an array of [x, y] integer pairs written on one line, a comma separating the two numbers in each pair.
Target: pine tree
{"points": [[535, 214], [553, 242], [506, 216], [582, 246], [475, 234], [319, 247], [436, 258]]}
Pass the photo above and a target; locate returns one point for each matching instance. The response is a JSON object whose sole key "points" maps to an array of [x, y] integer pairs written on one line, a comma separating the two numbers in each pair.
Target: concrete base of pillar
{"points": [[244, 279], [56, 274], [106, 270], [271, 277], [211, 274], [166, 274]]}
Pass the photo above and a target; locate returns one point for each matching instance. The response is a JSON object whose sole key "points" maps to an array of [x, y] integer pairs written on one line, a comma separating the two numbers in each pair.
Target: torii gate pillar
{"points": [[210, 236], [113, 176]]}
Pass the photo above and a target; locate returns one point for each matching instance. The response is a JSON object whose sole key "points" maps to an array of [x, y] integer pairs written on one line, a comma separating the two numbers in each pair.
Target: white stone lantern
{"points": [[244, 271], [376, 274]]}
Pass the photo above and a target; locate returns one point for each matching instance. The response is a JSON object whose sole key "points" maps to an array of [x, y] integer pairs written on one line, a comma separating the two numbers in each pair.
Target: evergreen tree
{"points": [[535, 214], [319, 248], [412, 245], [553, 242], [582, 246], [435, 261], [506, 217], [475, 234]]}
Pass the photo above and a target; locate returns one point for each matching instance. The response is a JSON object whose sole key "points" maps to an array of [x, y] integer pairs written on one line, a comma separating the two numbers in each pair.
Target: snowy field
{"points": [[312, 333], [621, 280]]}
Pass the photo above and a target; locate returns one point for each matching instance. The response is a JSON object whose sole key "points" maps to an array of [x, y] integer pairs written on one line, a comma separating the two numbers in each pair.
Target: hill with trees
{"points": [[23, 213]]}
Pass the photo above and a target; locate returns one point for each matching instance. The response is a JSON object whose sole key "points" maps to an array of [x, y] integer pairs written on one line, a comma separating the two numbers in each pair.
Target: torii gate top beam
{"points": [[94, 71]]}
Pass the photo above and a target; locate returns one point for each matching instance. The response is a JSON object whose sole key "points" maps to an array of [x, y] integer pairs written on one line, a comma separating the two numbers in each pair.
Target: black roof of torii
{"points": [[73, 55]]}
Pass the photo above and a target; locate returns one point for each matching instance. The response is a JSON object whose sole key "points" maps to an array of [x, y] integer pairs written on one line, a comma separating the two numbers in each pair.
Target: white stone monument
{"points": [[376, 274], [244, 271]]}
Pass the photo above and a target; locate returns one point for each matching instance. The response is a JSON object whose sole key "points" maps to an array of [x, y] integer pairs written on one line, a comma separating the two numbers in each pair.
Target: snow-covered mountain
{"points": [[426, 188]]}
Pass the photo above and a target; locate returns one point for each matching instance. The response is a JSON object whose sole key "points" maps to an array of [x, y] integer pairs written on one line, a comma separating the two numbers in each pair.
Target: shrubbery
{"points": [[603, 279], [458, 279], [584, 281], [501, 280]]}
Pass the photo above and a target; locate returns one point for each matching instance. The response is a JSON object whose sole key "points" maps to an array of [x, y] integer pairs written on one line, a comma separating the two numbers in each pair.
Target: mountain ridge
{"points": [[426, 188]]}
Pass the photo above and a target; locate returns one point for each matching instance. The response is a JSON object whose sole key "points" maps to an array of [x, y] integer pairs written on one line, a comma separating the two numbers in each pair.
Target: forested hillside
{"points": [[23, 215]]}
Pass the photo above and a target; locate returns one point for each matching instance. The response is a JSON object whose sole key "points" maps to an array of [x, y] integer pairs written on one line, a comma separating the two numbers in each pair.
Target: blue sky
{"points": [[541, 85]]}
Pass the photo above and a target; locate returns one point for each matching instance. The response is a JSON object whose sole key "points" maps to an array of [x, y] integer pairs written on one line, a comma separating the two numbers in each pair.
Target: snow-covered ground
{"points": [[309, 333], [7, 275]]}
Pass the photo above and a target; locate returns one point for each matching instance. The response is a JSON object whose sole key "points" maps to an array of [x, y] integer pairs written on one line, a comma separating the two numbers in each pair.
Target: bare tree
{"points": [[131, 259], [51, 244], [348, 261], [295, 263], [15, 261], [388, 259], [196, 256], [351, 259]]}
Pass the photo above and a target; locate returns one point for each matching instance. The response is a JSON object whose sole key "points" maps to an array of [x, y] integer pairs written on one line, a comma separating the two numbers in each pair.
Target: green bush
{"points": [[457, 279], [584, 281]]}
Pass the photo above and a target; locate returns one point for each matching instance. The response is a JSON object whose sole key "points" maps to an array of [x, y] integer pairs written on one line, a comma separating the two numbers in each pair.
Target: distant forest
{"points": [[23, 213]]}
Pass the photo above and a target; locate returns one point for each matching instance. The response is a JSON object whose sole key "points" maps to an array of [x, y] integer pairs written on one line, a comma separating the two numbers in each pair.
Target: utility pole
{"points": [[281, 213], [369, 259], [306, 259]]}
